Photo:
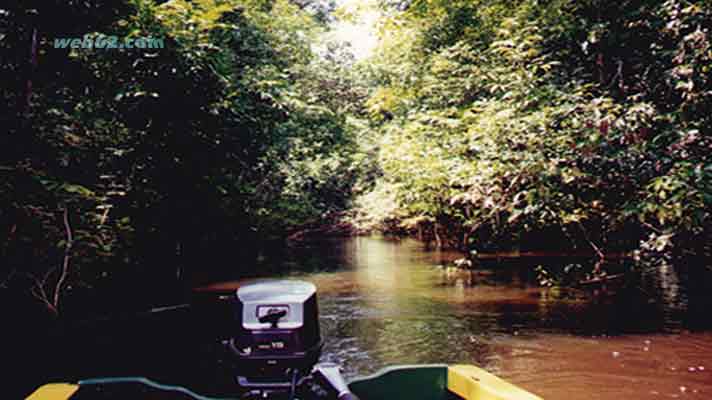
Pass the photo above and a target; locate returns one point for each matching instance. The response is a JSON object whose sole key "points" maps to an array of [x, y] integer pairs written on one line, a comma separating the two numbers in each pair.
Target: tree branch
{"points": [[65, 263], [38, 291], [32, 68], [7, 279], [601, 256]]}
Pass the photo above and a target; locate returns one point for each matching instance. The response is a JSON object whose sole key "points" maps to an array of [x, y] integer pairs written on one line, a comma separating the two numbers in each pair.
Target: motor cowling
{"points": [[276, 330]]}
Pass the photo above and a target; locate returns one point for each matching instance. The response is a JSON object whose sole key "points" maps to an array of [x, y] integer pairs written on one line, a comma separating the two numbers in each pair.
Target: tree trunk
{"points": [[436, 233]]}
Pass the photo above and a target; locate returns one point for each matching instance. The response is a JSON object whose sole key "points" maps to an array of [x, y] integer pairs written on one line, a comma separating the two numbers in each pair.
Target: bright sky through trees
{"points": [[358, 27]]}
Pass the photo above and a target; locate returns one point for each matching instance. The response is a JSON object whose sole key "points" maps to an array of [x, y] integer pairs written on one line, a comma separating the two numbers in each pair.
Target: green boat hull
{"points": [[412, 382]]}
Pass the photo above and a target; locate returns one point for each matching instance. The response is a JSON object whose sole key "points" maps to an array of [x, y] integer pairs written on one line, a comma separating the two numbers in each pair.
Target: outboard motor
{"points": [[275, 342]]}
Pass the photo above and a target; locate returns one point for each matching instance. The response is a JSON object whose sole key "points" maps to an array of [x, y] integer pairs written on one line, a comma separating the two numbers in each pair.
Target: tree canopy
{"points": [[169, 163], [481, 124], [587, 120]]}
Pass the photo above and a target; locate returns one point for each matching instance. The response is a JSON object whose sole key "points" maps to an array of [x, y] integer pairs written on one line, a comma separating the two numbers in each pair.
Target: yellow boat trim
{"points": [[54, 391], [472, 383]]}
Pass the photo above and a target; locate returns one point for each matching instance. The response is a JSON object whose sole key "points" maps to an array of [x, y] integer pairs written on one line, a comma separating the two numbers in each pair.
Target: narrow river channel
{"points": [[388, 302]]}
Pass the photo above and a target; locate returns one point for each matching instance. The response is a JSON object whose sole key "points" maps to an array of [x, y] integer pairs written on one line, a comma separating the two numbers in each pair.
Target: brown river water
{"points": [[388, 302]]}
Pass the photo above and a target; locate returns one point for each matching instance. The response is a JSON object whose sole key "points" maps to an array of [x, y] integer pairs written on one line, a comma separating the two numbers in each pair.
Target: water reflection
{"points": [[389, 302]]}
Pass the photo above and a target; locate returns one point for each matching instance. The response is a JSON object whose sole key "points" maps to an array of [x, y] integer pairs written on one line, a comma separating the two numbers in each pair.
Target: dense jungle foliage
{"points": [[566, 125], [477, 124], [133, 169]]}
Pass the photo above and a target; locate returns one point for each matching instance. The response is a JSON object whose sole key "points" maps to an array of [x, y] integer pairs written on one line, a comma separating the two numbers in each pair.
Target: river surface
{"points": [[386, 302]]}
